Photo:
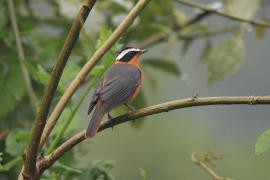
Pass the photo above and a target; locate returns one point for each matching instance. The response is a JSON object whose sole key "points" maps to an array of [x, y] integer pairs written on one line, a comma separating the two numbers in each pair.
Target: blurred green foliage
{"points": [[43, 34]]}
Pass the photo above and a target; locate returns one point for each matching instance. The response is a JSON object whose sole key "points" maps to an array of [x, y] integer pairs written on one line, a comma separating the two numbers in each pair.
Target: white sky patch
{"points": [[123, 53]]}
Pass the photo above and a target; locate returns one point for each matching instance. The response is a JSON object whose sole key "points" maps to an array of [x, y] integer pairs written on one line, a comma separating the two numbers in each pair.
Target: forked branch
{"points": [[96, 57], [29, 169]]}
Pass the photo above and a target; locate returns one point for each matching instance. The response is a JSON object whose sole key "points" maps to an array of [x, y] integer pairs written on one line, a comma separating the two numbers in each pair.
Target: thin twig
{"points": [[223, 14], [162, 35], [207, 169], [29, 169], [96, 57], [160, 108], [21, 54], [208, 34]]}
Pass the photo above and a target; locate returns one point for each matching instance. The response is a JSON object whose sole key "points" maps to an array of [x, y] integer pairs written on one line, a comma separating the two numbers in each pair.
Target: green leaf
{"points": [[10, 164], [242, 8], [186, 45], [143, 174], [64, 170], [180, 17], [64, 117], [104, 33], [12, 86], [225, 59], [16, 141], [109, 57], [163, 65], [42, 76], [98, 170], [262, 143], [3, 13], [98, 70], [5, 33], [70, 71], [207, 48]]}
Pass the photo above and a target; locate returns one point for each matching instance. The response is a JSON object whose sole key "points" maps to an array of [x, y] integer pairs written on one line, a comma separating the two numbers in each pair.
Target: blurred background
{"points": [[196, 52]]}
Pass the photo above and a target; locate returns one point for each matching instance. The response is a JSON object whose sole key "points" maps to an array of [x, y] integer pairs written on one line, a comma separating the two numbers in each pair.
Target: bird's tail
{"points": [[95, 121]]}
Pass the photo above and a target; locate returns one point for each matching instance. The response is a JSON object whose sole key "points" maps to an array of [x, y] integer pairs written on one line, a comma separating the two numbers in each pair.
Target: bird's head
{"points": [[129, 55]]}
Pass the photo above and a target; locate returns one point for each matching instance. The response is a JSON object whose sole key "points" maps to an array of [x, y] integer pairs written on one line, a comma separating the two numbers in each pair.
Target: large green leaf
{"points": [[262, 143], [163, 65], [42, 76], [225, 59], [12, 86], [16, 141]]}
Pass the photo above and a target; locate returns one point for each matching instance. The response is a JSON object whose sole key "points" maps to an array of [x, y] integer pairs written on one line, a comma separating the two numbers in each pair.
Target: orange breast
{"points": [[134, 62], [138, 88]]}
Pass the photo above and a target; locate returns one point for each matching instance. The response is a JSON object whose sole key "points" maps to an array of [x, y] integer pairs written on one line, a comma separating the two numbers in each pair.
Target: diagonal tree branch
{"points": [[96, 57], [29, 169], [21, 54], [223, 14], [156, 109]]}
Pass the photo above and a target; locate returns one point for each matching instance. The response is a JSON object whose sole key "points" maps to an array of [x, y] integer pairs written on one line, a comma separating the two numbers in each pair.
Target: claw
{"points": [[110, 119]]}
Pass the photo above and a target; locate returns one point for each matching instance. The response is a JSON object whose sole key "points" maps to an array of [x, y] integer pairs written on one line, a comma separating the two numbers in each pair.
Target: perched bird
{"points": [[119, 85]]}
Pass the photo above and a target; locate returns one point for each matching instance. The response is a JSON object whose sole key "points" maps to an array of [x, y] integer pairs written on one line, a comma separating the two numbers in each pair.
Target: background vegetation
{"points": [[190, 51]]}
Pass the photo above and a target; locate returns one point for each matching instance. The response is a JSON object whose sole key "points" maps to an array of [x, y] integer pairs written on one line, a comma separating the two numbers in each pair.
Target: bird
{"points": [[119, 85]]}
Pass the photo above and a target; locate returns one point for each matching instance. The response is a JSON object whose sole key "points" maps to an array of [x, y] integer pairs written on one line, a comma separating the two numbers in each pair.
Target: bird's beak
{"points": [[144, 51]]}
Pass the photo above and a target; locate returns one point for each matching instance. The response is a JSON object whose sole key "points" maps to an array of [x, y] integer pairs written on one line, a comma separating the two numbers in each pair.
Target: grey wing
{"points": [[122, 83], [94, 99]]}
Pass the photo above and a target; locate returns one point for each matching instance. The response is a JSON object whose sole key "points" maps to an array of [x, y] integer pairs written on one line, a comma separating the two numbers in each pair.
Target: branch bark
{"points": [[21, 54], [96, 57], [156, 109], [29, 169], [223, 14]]}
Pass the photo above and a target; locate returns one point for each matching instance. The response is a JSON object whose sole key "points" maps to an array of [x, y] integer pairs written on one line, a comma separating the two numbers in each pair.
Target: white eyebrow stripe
{"points": [[123, 53]]}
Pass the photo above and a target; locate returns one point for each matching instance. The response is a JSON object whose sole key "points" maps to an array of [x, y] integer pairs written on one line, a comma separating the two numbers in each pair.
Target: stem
{"points": [[156, 109], [74, 111], [96, 57], [207, 169], [29, 169], [163, 35], [21, 54], [223, 14]]}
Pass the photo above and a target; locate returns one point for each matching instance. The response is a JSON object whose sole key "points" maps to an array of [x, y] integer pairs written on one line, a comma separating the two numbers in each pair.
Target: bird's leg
{"points": [[130, 108], [110, 119]]}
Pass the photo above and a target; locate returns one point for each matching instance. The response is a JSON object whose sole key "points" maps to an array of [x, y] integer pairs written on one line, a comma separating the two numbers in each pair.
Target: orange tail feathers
{"points": [[95, 121]]}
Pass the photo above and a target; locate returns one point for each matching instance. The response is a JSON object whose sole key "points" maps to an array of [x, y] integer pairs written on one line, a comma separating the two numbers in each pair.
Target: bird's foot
{"points": [[130, 108]]}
